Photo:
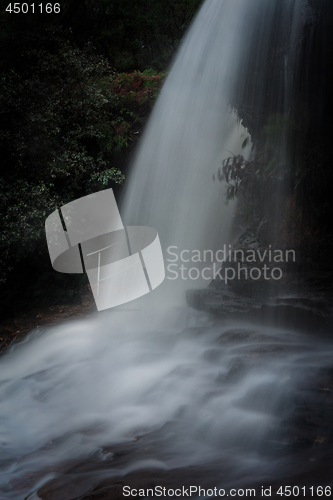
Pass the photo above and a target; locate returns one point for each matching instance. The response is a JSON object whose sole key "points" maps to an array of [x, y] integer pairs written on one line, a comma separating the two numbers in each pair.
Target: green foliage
{"points": [[273, 160], [67, 120], [236, 172], [134, 96], [51, 141]]}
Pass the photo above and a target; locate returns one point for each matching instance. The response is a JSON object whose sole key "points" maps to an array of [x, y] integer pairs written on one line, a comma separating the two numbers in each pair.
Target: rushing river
{"points": [[155, 385], [198, 392]]}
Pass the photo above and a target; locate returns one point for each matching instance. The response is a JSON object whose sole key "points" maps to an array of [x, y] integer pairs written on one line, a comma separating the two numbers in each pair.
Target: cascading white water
{"points": [[79, 393], [75, 388], [191, 130]]}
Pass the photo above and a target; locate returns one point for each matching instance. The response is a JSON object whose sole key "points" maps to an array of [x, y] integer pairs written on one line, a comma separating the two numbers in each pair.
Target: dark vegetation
{"points": [[76, 89]]}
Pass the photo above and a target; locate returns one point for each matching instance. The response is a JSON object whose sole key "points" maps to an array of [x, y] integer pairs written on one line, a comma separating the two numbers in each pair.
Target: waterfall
{"points": [[191, 130], [74, 394], [225, 60]]}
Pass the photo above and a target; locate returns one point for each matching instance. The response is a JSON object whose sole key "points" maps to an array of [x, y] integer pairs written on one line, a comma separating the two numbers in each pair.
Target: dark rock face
{"points": [[292, 316], [297, 313], [222, 303], [300, 299]]}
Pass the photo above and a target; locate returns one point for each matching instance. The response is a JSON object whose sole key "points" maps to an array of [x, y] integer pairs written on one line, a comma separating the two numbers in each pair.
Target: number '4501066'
{"points": [[24, 8]]}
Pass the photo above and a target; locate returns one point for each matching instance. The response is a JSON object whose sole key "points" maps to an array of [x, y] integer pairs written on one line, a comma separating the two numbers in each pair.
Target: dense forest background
{"points": [[76, 89], [77, 85]]}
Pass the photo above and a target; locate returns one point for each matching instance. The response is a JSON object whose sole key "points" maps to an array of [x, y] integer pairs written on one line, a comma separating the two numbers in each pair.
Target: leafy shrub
{"points": [[51, 141], [134, 95]]}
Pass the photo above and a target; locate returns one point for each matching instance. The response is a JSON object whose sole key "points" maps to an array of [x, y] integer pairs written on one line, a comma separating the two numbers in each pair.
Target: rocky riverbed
{"points": [[262, 419], [302, 298]]}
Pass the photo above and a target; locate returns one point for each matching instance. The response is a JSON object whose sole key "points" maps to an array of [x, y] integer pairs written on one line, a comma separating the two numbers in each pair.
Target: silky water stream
{"points": [[153, 387]]}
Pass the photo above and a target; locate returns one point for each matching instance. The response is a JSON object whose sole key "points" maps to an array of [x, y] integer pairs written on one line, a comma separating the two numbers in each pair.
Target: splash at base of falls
{"points": [[179, 391]]}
